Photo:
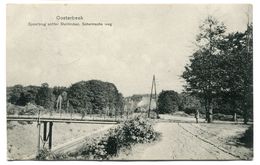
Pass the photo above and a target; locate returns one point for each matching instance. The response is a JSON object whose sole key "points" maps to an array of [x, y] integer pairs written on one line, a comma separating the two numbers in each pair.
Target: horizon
{"points": [[144, 40]]}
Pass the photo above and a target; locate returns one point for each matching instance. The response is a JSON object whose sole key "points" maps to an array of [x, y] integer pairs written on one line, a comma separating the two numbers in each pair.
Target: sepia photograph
{"points": [[129, 82]]}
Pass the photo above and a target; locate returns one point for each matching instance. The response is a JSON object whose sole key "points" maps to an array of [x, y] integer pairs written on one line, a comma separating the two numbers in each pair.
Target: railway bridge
{"points": [[45, 135]]}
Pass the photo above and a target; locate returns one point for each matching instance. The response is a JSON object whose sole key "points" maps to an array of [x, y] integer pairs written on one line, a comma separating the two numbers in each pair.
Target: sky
{"points": [[144, 40]]}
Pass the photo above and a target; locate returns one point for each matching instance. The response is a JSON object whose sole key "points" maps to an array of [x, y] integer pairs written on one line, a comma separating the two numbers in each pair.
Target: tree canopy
{"points": [[220, 70], [168, 102], [94, 96]]}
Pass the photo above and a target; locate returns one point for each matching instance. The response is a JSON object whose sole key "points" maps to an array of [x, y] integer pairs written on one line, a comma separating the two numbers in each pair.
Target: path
{"points": [[179, 143]]}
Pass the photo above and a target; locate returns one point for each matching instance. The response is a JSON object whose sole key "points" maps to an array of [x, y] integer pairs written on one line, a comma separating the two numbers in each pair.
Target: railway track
{"points": [[207, 141], [78, 142]]}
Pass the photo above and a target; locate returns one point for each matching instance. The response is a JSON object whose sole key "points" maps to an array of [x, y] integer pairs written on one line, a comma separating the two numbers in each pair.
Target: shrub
{"points": [[248, 137], [137, 130], [44, 154], [29, 109], [189, 110], [222, 117]]}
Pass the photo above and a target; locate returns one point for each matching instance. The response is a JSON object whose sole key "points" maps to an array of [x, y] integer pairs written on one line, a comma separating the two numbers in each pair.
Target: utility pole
{"points": [[151, 96]]}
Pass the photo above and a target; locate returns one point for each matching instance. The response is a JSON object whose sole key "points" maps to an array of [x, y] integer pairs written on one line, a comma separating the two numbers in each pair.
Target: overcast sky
{"points": [[143, 40]]}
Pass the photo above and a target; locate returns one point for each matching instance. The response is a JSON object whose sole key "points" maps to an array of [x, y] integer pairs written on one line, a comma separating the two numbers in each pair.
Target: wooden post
{"points": [[71, 112], [45, 131], [39, 139], [235, 116], [39, 134], [50, 135], [197, 115]]}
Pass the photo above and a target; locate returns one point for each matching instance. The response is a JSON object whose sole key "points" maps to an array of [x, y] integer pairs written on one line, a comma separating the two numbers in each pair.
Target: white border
{"points": [[3, 142]]}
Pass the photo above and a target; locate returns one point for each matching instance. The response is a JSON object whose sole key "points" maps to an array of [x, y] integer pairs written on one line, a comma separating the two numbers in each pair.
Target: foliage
{"points": [[14, 93], [44, 96], [222, 117], [248, 137], [131, 104], [19, 95], [137, 130], [168, 102], [237, 72], [86, 97], [189, 104], [220, 71], [201, 74], [29, 109], [137, 98], [95, 97], [44, 154], [58, 90]]}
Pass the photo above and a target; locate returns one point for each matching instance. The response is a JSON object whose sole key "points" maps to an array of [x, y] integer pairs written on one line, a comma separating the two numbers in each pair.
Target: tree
{"points": [[44, 96], [168, 102], [31, 93], [22, 100], [237, 72], [95, 97], [14, 93], [189, 104], [20, 95], [201, 74], [120, 104], [58, 90]]}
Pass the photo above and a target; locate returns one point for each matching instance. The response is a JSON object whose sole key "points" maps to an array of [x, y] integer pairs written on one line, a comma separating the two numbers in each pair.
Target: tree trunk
{"points": [[245, 111], [234, 116], [209, 111], [210, 119], [245, 115], [197, 116]]}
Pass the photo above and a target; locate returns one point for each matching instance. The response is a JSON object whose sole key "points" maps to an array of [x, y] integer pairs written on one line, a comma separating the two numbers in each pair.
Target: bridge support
{"points": [[50, 135], [45, 131], [46, 138], [39, 139]]}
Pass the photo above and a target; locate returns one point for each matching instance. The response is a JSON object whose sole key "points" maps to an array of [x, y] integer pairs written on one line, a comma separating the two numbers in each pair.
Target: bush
{"points": [[248, 137], [29, 109], [190, 110], [44, 154], [222, 117], [137, 130], [13, 109]]}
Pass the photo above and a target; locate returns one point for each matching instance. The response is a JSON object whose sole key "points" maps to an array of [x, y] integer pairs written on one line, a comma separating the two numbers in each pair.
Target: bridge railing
{"points": [[68, 116]]}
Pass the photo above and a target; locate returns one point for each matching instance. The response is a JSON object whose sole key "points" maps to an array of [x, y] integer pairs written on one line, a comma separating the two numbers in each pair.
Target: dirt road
{"points": [[181, 141]]}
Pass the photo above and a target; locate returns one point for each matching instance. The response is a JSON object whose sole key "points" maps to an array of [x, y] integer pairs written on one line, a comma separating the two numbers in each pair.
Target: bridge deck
{"points": [[61, 120]]}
